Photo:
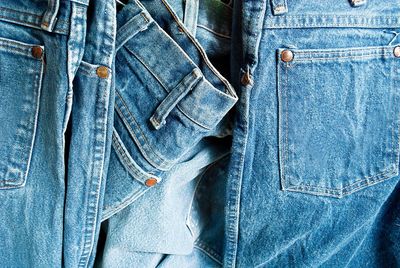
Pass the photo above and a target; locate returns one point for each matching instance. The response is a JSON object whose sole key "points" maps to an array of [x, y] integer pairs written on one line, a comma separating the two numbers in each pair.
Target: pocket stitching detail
{"points": [[318, 190], [25, 167]]}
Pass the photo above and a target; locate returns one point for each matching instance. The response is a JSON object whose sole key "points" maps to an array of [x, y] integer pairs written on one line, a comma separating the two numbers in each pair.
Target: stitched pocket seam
{"points": [[363, 182]]}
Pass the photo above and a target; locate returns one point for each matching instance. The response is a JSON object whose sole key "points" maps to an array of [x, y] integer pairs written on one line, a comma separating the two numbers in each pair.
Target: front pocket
{"points": [[20, 82], [338, 118]]}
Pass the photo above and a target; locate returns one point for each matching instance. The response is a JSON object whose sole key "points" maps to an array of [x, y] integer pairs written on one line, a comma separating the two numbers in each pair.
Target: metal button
{"points": [[396, 51], [102, 72], [287, 55], [151, 182], [246, 79], [37, 52]]}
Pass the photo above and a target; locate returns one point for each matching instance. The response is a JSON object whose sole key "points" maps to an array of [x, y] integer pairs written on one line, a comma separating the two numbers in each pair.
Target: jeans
{"points": [[56, 109], [312, 175], [175, 154], [254, 133]]}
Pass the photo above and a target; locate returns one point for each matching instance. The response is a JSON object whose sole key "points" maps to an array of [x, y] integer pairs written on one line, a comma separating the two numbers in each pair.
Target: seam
{"points": [[200, 244], [137, 173], [162, 162], [339, 193], [109, 211], [5, 183], [361, 21], [35, 24], [165, 87], [122, 154], [38, 92], [28, 14], [370, 50], [91, 211], [200, 50], [372, 56], [386, 172], [280, 134], [213, 31], [335, 192]]}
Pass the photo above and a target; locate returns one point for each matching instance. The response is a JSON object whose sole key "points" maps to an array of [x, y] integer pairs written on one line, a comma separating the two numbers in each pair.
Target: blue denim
{"points": [[312, 175], [313, 178], [56, 112], [155, 133], [143, 224]]}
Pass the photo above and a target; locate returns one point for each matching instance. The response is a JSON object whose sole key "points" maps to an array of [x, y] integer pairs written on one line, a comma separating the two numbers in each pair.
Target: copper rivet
{"points": [[396, 51], [246, 79], [287, 55], [102, 72], [151, 182], [37, 52], [180, 29]]}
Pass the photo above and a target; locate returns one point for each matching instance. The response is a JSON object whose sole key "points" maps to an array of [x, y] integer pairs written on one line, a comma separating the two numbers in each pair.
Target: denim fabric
{"points": [[314, 167], [56, 112], [90, 130], [33, 89], [180, 103], [254, 133], [176, 153], [312, 175]]}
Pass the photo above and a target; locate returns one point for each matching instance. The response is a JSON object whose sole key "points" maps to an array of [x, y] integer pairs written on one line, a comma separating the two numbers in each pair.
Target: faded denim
{"points": [[263, 133], [313, 178], [56, 112], [144, 225], [312, 175]]}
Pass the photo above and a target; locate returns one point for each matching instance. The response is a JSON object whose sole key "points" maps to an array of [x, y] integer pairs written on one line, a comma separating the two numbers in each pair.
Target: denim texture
{"points": [[55, 129], [181, 103], [177, 152], [32, 152], [156, 133], [313, 178]]}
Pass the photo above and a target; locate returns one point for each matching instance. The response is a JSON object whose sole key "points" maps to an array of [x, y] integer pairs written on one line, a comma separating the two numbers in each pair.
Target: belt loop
{"points": [[279, 7], [357, 3], [191, 15], [50, 16], [174, 97]]}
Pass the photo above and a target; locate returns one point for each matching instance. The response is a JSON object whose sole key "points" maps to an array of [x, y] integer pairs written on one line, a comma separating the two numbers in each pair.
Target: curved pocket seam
{"points": [[134, 170]]}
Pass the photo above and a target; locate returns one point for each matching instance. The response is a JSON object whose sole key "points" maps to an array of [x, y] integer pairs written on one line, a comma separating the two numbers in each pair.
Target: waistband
{"points": [[327, 13], [189, 79], [48, 15]]}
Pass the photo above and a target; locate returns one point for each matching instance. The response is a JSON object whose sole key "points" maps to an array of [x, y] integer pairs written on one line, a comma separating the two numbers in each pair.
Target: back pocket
{"points": [[20, 82], [338, 118]]}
